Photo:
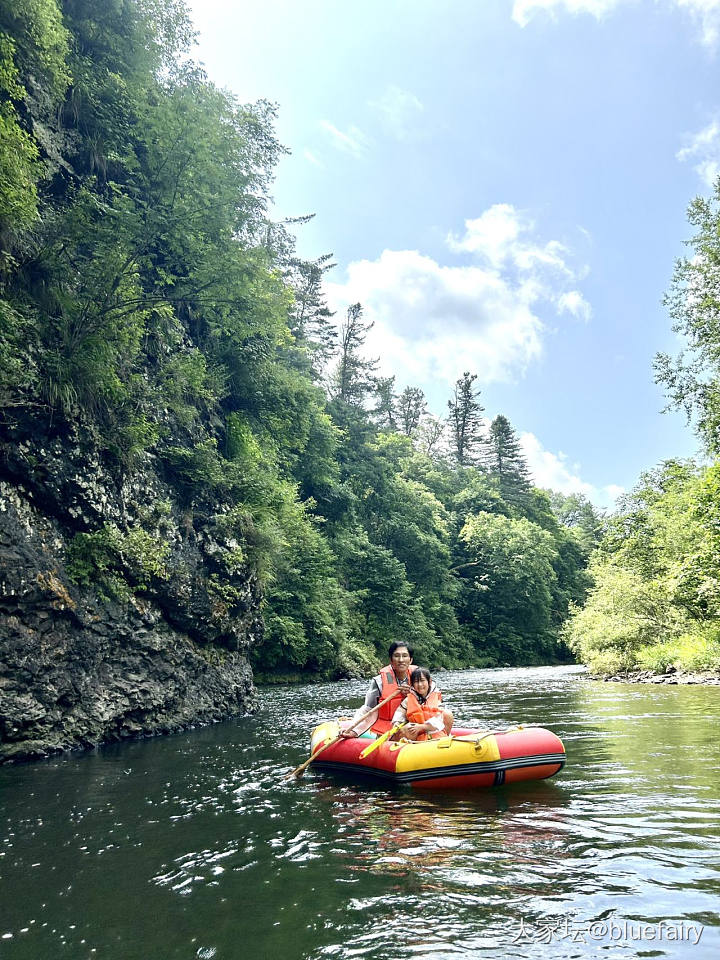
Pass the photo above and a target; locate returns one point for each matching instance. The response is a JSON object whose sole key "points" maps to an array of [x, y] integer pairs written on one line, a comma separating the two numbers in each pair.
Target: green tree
{"points": [[383, 413], [431, 435], [576, 512], [508, 589], [465, 421], [503, 458], [34, 76], [311, 320], [654, 599], [354, 377], [692, 380], [411, 408]]}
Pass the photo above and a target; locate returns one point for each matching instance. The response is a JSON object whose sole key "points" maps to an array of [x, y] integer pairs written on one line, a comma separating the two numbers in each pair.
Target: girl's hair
{"points": [[418, 674]]}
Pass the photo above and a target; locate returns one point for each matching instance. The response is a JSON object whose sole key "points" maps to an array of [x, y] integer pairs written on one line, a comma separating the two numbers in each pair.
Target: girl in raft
{"points": [[421, 710]]}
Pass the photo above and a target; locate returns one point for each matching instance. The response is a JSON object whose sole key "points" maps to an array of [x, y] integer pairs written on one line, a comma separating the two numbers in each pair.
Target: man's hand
{"points": [[347, 734]]}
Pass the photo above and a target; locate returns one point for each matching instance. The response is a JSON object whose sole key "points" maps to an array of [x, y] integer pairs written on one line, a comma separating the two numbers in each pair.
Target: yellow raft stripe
{"points": [[324, 734], [447, 752], [437, 753]]}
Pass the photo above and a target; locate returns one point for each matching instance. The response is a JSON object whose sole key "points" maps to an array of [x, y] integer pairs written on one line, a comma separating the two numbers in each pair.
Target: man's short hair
{"points": [[400, 643]]}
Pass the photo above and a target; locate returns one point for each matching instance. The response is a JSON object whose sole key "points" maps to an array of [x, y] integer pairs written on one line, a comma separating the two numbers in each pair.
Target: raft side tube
{"points": [[468, 760]]}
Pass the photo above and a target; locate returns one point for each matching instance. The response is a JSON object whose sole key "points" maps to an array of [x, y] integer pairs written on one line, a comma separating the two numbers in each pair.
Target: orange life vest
{"points": [[387, 711], [422, 712]]}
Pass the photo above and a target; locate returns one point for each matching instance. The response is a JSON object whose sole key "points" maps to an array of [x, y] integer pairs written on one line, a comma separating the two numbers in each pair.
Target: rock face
{"points": [[151, 632]]}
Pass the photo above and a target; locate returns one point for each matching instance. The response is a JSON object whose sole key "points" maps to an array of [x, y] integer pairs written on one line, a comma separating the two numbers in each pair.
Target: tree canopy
{"points": [[151, 310]]}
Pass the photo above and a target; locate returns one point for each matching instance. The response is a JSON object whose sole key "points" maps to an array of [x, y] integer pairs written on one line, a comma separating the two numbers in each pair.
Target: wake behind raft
{"points": [[466, 759]]}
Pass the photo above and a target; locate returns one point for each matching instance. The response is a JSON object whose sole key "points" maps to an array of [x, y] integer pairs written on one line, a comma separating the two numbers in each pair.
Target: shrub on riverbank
{"points": [[690, 652], [655, 601]]}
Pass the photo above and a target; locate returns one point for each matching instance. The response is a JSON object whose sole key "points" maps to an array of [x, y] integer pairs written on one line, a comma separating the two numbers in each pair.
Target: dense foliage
{"points": [[656, 597], [655, 603], [149, 306]]}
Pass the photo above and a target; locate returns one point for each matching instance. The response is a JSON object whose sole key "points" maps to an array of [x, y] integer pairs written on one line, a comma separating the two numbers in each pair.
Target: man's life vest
{"points": [[387, 711], [422, 712]]}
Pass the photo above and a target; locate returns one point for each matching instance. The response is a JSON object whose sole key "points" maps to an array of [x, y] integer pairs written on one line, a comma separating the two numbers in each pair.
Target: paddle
{"points": [[381, 740], [298, 771]]}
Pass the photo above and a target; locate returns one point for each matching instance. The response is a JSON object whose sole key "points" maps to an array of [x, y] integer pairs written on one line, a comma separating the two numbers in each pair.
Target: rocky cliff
{"points": [[124, 612]]}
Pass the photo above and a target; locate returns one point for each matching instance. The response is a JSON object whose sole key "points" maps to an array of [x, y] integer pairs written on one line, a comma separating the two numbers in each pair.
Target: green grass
{"points": [[689, 652]]}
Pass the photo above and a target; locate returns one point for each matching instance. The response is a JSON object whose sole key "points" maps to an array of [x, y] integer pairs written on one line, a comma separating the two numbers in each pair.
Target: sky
{"points": [[503, 185]]}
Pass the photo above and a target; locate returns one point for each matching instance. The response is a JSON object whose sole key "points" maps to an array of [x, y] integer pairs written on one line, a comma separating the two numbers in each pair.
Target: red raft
{"points": [[465, 759]]}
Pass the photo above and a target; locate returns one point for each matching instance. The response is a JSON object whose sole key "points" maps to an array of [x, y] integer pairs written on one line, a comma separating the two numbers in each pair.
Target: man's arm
{"points": [[356, 725]]}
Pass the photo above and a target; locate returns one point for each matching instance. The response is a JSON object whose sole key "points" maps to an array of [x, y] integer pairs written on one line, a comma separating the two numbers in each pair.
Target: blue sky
{"points": [[504, 186]]}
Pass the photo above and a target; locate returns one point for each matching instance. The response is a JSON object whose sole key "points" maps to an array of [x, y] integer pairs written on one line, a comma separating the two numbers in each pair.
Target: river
{"points": [[193, 846]]}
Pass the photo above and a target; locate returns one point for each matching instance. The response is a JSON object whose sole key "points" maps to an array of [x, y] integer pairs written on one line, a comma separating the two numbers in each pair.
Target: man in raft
{"points": [[392, 681]]}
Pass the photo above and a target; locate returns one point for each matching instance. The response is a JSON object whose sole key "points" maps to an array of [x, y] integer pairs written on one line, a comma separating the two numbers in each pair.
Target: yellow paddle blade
{"points": [[380, 741]]}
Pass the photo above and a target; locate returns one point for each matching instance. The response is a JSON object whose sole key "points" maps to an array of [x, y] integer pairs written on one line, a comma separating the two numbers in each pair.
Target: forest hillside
{"points": [[201, 470]]}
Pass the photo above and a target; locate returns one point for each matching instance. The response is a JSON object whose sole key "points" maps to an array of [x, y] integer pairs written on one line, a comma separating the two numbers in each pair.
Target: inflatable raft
{"points": [[466, 759]]}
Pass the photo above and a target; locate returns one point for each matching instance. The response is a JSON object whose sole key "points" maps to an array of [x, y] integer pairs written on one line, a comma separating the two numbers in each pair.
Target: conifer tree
{"points": [[411, 407], [311, 320], [465, 421], [383, 414], [354, 376], [505, 460]]}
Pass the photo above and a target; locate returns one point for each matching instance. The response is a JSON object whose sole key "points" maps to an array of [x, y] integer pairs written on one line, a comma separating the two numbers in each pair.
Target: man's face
{"points": [[400, 661]]}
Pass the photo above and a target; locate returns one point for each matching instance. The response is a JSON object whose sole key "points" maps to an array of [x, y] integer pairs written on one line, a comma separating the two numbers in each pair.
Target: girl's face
{"points": [[421, 686]]}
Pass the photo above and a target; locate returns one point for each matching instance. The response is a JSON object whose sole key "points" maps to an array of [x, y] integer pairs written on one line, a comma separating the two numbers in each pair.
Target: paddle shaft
{"points": [[298, 771]]}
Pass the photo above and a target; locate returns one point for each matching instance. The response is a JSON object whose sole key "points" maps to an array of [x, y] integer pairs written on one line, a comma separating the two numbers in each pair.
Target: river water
{"points": [[193, 846]]}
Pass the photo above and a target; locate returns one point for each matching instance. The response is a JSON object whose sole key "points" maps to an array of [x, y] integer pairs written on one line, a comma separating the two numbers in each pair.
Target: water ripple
{"points": [[195, 846]]}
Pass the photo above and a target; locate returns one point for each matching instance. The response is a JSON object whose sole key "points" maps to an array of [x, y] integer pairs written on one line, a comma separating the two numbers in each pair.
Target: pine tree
{"points": [[505, 460], [354, 376], [383, 413], [311, 319], [465, 421], [411, 407]]}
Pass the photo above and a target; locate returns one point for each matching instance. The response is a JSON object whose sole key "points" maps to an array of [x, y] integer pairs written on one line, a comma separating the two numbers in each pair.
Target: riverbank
{"points": [[671, 676]]}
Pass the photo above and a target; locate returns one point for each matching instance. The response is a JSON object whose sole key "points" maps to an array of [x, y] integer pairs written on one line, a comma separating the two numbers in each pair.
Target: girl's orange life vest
{"points": [[422, 712], [387, 711]]}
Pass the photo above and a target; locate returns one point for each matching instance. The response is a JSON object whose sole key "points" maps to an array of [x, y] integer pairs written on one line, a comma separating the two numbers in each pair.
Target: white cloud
{"points": [[706, 13], [553, 470], [503, 236], [524, 10], [494, 235], [704, 149], [399, 111], [434, 321], [574, 303], [352, 141], [614, 491]]}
